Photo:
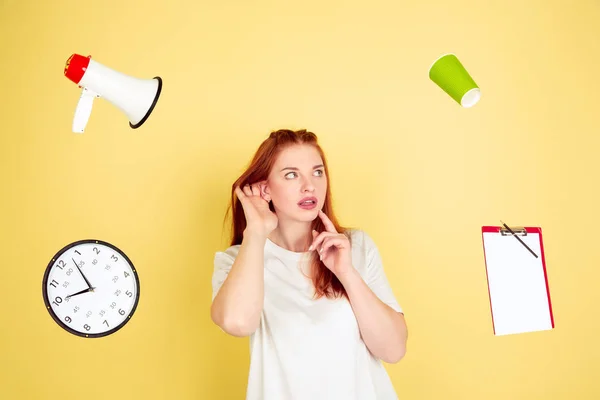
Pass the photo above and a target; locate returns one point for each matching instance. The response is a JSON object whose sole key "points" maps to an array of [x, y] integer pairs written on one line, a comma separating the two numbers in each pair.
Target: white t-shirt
{"points": [[306, 349]]}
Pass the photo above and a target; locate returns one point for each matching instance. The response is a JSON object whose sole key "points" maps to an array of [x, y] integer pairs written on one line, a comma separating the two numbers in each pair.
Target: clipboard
{"points": [[517, 279]]}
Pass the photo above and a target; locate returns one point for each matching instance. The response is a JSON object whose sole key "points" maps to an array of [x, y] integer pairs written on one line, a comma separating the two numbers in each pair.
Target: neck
{"points": [[292, 235]]}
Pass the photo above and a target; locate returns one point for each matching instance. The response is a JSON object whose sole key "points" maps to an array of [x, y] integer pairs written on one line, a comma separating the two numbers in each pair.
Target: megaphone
{"points": [[135, 97]]}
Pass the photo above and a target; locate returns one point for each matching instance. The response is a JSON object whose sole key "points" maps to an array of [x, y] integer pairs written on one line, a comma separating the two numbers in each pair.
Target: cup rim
{"points": [[475, 89], [437, 59]]}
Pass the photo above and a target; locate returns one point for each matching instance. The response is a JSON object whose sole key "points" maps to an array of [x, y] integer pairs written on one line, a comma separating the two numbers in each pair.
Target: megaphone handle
{"points": [[83, 110]]}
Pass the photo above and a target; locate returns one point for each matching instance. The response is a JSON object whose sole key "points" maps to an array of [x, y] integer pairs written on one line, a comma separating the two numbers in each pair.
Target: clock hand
{"points": [[91, 289], [79, 269]]}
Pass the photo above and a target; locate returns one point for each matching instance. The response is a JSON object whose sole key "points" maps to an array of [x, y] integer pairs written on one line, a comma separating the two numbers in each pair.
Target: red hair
{"points": [[324, 281]]}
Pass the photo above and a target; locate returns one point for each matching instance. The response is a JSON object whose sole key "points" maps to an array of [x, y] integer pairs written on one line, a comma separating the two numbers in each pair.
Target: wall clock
{"points": [[91, 288]]}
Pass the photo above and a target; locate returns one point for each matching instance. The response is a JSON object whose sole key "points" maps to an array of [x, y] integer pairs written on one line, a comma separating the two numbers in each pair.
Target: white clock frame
{"points": [[91, 288]]}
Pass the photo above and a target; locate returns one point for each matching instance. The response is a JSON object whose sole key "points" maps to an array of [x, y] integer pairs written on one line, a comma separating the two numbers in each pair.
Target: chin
{"points": [[308, 215], [312, 215]]}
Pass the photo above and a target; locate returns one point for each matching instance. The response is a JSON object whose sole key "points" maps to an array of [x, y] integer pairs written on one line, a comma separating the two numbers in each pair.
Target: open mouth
{"points": [[309, 201]]}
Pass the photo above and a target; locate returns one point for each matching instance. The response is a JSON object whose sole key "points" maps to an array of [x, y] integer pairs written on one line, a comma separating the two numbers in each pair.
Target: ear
{"points": [[265, 191]]}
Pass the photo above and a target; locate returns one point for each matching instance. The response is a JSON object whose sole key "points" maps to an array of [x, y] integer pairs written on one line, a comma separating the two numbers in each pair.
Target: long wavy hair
{"points": [[325, 282]]}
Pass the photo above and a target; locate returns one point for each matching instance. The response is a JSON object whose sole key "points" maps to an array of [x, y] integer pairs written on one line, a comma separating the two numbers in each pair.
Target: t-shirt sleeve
{"points": [[375, 276], [223, 261]]}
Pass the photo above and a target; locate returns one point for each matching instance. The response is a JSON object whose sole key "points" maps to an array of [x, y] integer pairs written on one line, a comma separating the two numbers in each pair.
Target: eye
{"points": [[287, 175], [320, 172]]}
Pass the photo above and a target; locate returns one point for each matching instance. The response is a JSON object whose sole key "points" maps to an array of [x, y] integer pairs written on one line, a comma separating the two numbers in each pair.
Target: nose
{"points": [[307, 186]]}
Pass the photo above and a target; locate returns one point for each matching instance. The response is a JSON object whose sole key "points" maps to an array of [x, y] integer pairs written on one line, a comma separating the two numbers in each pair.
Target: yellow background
{"points": [[411, 167]]}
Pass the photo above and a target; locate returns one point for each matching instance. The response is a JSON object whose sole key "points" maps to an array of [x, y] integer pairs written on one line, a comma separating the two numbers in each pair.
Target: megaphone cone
{"points": [[135, 97]]}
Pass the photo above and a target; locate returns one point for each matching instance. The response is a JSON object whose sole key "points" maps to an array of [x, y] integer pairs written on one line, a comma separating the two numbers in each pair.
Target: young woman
{"points": [[312, 295]]}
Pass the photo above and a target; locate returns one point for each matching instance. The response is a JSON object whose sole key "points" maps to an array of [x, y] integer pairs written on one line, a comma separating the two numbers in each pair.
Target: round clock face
{"points": [[91, 288]]}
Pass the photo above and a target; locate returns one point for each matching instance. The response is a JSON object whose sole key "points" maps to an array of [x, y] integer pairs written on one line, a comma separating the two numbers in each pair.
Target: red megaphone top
{"points": [[76, 66]]}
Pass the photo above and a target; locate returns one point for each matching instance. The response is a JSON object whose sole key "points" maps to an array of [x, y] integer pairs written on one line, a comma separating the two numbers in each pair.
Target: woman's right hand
{"points": [[259, 218]]}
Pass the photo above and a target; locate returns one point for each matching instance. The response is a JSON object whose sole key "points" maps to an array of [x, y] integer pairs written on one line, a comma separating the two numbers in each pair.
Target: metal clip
{"points": [[519, 231]]}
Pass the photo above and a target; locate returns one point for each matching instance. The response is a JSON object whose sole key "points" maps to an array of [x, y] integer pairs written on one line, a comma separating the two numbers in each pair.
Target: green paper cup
{"points": [[451, 76]]}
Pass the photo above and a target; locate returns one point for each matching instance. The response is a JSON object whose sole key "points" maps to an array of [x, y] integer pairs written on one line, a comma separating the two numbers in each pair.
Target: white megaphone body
{"points": [[135, 97]]}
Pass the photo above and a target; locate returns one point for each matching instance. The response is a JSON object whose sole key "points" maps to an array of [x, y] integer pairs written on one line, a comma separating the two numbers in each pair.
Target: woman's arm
{"points": [[382, 328], [238, 305]]}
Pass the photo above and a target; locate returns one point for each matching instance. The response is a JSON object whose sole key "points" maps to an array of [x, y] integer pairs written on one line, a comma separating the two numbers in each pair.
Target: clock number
{"points": [[115, 257], [53, 283], [57, 300], [118, 292], [61, 264], [88, 314], [115, 278], [96, 250], [81, 263], [126, 274], [113, 305], [107, 267], [102, 312], [66, 284], [128, 293], [77, 251], [68, 319], [87, 327], [95, 262], [106, 322], [76, 309], [121, 311], [69, 271]]}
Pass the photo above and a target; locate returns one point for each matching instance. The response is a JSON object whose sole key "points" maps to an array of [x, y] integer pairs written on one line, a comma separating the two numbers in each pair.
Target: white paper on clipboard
{"points": [[517, 280]]}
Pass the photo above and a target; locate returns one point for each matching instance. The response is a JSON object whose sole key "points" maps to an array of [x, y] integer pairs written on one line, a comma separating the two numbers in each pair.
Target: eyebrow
{"points": [[296, 169]]}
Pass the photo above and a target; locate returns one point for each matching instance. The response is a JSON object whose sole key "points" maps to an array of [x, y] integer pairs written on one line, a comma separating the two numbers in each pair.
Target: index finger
{"points": [[240, 194], [327, 222]]}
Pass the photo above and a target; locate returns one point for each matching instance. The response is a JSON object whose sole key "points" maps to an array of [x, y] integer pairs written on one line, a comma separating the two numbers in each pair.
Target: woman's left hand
{"points": [[333, 247]]}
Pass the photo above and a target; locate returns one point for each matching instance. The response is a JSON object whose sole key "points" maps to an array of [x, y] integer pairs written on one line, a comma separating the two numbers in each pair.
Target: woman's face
{"points": [[298, 175]]}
